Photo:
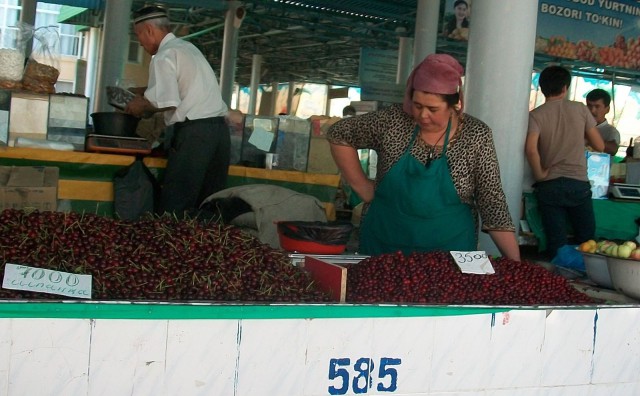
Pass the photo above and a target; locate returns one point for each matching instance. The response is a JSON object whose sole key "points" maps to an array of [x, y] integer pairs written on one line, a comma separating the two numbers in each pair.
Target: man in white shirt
{"points": [[598, 102], [183, 86]]}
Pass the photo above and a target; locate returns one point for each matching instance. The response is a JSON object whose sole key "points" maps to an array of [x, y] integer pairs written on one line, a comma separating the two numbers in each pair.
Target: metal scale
{"points": [[117, 145], [96, 143], [625, 191]]}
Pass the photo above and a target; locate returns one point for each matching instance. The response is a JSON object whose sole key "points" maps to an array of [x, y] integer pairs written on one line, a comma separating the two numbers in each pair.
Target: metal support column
{"points": [[28, 15], [290, 92], [256, 66], [113, 50], [405, 60], [497, 87], [93, 49], [232, 21], [426, 34]]}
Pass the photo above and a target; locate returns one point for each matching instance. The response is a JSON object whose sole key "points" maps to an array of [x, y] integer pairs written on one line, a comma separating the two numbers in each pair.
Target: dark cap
{"points": [[149, 12]]}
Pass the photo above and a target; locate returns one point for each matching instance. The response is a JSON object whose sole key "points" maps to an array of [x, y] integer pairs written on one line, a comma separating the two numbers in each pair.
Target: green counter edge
{"points": [[203, 310]]}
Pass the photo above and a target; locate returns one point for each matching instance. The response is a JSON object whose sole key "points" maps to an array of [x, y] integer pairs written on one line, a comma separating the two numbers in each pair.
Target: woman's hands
{"points": [[365, 190], [346, 158]]}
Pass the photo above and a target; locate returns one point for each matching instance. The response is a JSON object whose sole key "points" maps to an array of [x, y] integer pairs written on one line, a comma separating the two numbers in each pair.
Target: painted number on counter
{"points": [[362, 375]]}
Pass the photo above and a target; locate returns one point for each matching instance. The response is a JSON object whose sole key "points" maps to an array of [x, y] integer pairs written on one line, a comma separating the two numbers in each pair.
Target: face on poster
{"points": [[456, 19]]}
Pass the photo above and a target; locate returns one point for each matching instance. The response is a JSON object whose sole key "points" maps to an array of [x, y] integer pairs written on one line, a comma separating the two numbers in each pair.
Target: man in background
{"points": [[598, 102], [184, 88], [348, 111], [555, 150]]}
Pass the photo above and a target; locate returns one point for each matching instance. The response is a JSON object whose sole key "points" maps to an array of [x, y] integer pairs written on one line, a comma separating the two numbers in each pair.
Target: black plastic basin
{"points": [[114, 124]]}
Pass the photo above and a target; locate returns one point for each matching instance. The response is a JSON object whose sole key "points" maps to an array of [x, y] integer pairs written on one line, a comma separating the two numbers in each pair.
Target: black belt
{"points": [[213, 120]]}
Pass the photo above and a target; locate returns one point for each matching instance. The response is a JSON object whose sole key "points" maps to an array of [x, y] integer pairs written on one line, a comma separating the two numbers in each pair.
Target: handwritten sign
{"points": [[476, 262], [22, 277]]}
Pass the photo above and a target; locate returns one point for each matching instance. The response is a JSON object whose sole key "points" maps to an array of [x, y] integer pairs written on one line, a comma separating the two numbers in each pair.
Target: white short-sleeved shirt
{"points": [[608, 132], [181, 77]]}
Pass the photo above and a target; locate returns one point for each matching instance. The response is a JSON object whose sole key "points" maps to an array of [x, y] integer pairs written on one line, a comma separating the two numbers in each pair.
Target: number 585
{"points": [[364, 373]]}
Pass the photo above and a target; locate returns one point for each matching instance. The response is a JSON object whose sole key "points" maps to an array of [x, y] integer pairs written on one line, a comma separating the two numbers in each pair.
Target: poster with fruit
{"points": [[596, 31]]}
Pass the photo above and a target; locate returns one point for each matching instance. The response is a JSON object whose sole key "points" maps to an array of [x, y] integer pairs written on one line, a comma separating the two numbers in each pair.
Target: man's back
{"points": [[562, 125]]}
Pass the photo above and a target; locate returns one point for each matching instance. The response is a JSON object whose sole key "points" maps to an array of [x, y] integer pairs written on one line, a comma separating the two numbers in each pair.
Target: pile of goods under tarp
{"points": [[434, 278], [159, 258]]}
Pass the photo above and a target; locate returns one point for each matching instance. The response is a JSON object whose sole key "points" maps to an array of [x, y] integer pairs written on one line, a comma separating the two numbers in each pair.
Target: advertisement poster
{"points": [[605, 32], [378, 69], [456, 19], [597, 31]]}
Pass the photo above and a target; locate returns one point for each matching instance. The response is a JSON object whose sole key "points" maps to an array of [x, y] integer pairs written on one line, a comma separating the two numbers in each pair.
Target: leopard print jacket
{"points": [[471, 154]]}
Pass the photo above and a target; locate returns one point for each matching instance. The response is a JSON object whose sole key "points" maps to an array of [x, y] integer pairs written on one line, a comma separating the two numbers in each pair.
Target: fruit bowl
{"points": [[625, 276], [597, 269]]}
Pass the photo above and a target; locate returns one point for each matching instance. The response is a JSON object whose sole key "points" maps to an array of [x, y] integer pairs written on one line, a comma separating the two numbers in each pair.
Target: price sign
{"points": [[476, 262], [363, 375], [22, 277]]}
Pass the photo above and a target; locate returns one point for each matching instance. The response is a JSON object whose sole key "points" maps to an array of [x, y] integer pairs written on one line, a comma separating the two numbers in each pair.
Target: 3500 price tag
{"points": [[22, 277], [362, 375], [476, 262]]}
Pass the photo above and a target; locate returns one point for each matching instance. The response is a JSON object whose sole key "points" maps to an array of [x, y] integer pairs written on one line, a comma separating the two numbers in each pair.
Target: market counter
{"points": [[118, 348], [614, 219], [86, 179]]}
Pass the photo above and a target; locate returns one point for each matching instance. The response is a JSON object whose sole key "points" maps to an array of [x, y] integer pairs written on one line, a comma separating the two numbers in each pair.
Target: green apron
{"points": [[416, 208]]}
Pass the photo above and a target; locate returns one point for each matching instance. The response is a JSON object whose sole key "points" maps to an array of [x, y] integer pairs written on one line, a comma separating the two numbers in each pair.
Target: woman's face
{"points": [[461, 11], [430, 111]]}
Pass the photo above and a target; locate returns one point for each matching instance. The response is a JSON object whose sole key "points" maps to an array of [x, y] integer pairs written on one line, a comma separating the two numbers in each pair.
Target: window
{"points": [[46, 15], [68, 39], [64, 86], [135, 52]]}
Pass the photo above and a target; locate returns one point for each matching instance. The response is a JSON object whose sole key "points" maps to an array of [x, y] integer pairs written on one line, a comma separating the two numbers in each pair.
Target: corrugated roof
{"points": [[304, 40]]}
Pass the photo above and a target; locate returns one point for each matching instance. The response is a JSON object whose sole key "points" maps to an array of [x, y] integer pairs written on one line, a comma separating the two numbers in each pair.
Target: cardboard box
{"points": [[292, 144], [68, 119], [598, 168], [28, 116], [329, 272], [632, 174], [320, 158], [29, 187]]}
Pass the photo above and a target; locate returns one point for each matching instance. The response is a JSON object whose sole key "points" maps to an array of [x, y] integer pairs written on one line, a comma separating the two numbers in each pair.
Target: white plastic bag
{"points": [[43, 66], [12, 57]]}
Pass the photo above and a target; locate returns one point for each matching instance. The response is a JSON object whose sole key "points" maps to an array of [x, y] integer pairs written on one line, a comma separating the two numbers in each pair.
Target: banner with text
{"points": [[378, 69], [598, 31]]}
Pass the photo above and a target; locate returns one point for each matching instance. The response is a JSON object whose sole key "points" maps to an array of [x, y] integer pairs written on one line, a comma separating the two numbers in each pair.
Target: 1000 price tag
{"points": [[362, 375], [40, 280]]}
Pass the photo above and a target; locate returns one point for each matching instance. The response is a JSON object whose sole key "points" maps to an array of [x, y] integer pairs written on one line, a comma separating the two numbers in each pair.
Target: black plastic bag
{"points": [[330, 233], [135, 191]]}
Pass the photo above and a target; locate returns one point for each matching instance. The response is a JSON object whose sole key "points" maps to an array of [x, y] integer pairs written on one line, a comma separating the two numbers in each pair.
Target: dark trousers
{"points": [[198, 164], [561, 200]]}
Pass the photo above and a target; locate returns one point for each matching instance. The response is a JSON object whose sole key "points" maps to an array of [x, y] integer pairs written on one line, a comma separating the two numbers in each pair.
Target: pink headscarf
{"points": [[438, 74]]}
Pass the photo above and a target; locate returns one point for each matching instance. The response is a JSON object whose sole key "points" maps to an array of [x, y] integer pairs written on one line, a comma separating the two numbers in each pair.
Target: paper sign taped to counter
{"points": [[262, 135], [476, 262]]}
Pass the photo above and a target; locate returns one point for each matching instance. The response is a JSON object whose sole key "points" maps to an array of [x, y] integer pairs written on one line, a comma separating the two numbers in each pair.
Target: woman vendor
{"points": [[437, 169]]}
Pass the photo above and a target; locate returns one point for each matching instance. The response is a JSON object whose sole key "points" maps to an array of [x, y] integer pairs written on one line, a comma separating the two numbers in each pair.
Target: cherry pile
{"points": [[157, 258], [434, 278]]}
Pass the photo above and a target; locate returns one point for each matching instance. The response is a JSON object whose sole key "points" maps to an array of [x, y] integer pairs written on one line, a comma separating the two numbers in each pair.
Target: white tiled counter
{"points": [[92, 348]]}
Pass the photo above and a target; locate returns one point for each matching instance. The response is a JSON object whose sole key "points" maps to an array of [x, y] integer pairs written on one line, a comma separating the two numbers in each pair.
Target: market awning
{"points": [[82, 16]]}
